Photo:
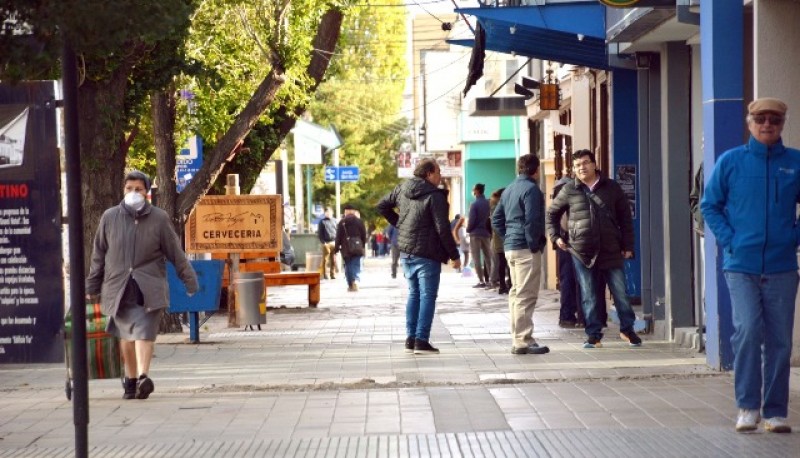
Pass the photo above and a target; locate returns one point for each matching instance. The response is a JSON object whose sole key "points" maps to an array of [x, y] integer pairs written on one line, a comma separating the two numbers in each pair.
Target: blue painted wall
{"points": [[625, 148]]}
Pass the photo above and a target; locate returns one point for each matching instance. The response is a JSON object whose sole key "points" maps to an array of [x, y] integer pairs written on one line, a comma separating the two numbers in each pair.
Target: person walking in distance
{"points": [[128, 276], [519, 220], [326, 232], [419, 209], [600, 228], [750, 205], [349, 232], [391, 235], [479, 236]]}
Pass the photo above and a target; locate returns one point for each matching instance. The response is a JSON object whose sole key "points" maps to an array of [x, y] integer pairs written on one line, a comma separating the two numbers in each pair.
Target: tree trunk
{"points": [[230, 141], [102, 133], [162, 110], [323, 45]]}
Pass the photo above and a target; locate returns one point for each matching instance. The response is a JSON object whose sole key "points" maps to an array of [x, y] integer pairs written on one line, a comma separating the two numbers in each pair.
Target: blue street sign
{"points": [[188, 162], [348, 173], [345, 173], [330, 173]]}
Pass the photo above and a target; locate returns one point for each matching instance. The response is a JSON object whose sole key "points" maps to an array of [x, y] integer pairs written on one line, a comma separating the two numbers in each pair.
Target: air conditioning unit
{"points": [[499, 106]]}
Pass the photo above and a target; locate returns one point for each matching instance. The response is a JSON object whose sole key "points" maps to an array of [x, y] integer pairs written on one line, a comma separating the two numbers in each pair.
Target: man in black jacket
{"points": [[326, 232], [425, 242], [600, 229]]}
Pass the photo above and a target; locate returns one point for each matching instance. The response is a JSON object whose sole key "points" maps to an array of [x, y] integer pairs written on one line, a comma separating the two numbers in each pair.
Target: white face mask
{"points": [[134, 200]]}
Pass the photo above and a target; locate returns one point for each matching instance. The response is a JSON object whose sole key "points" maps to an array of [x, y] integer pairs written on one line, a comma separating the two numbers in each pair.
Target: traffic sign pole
{"points": [[338, 184]]}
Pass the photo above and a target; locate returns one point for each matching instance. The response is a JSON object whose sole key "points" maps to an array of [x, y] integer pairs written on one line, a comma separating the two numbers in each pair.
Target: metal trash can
{"points": [[250, 295], [313, 261]]}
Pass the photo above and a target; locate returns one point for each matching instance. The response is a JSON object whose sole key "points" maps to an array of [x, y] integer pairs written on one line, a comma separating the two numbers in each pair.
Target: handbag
{"points": [[355, 247], [102, 349]]}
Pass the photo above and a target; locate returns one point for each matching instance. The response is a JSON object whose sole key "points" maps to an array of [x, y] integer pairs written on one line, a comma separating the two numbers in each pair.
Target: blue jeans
{"points": [[352, 269], [423, 287], [763, 316], [615, 279]]}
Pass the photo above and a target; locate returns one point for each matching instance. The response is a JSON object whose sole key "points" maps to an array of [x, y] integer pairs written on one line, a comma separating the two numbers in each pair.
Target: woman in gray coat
{"points": [[128, 275]]}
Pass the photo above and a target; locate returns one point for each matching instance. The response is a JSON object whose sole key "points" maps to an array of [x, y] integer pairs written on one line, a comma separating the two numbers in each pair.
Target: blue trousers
{"points": [[423, 276], [352, 269], [615, 279], [763, 316]]}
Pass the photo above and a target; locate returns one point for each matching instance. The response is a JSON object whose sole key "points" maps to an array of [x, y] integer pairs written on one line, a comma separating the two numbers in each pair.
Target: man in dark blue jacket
{"points": [[480, 238], [750, 205], [519, 220], [326, 231]]}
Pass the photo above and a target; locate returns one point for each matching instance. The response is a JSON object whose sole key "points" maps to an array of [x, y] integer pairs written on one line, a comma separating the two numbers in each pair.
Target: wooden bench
{"points": [[296, 278], [269, 263]]}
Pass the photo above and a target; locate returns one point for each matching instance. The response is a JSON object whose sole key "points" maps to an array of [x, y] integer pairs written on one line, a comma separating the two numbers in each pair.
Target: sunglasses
{"points": [[775, 120]]}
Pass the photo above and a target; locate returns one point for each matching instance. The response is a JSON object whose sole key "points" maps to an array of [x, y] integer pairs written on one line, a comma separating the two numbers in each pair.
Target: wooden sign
{"points": [[235, 224], [549, 97]]}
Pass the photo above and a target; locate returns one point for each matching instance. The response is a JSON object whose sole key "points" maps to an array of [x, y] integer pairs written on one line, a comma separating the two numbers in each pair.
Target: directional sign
{"points": [[348, 173], [345, 173], [328, 138], [330, 173]]}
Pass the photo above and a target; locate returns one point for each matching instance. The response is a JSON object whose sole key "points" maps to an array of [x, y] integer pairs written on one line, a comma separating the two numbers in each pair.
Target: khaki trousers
{"points": [[526, 273], [328, 260]]}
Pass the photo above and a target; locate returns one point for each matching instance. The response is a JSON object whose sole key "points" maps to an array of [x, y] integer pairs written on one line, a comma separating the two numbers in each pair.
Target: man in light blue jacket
{"points": [[750, 205]]}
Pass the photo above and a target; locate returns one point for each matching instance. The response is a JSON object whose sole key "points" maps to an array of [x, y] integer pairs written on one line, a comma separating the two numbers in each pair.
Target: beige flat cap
{"points": [[767, 104]]}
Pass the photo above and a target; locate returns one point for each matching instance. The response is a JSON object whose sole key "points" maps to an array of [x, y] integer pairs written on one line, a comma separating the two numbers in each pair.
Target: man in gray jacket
{"points": [[519, 220], [128, 275]]}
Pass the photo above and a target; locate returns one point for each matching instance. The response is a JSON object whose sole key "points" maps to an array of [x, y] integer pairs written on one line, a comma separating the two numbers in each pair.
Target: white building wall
{"points": [[581, 118], [443, 71]]}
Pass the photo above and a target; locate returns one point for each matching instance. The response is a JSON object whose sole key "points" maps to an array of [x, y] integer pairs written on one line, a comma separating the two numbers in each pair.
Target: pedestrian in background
{"points": [[128, 276], [462, 239], [326, 232], [519, 220], [391, 237], [480, 237], [419, 209], [499, 263], [600, 228], [351, 238], [750, 204], [570, 313]]}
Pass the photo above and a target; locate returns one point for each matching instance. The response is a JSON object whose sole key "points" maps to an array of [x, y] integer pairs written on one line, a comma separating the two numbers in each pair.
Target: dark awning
{"points": [[570, 33]]}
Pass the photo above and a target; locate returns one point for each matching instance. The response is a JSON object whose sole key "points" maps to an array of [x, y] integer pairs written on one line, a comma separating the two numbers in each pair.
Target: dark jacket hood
{"points": [[416, 188]]}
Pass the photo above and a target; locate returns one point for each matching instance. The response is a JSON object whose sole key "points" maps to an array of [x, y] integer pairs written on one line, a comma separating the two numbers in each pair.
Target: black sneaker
{"points": [[631, 338], [410, 344], [423, 347], [592, 342], [532, 349], [129, 384], [480, 285], [567, 324], [145, 387]]}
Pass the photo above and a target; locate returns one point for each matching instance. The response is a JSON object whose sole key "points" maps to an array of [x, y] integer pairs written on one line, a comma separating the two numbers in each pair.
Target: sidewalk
{"points": [[335, 381]]}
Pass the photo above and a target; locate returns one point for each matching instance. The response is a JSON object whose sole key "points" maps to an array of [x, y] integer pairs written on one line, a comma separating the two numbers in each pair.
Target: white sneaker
{"points": [[777, 425], [747, 420]]}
